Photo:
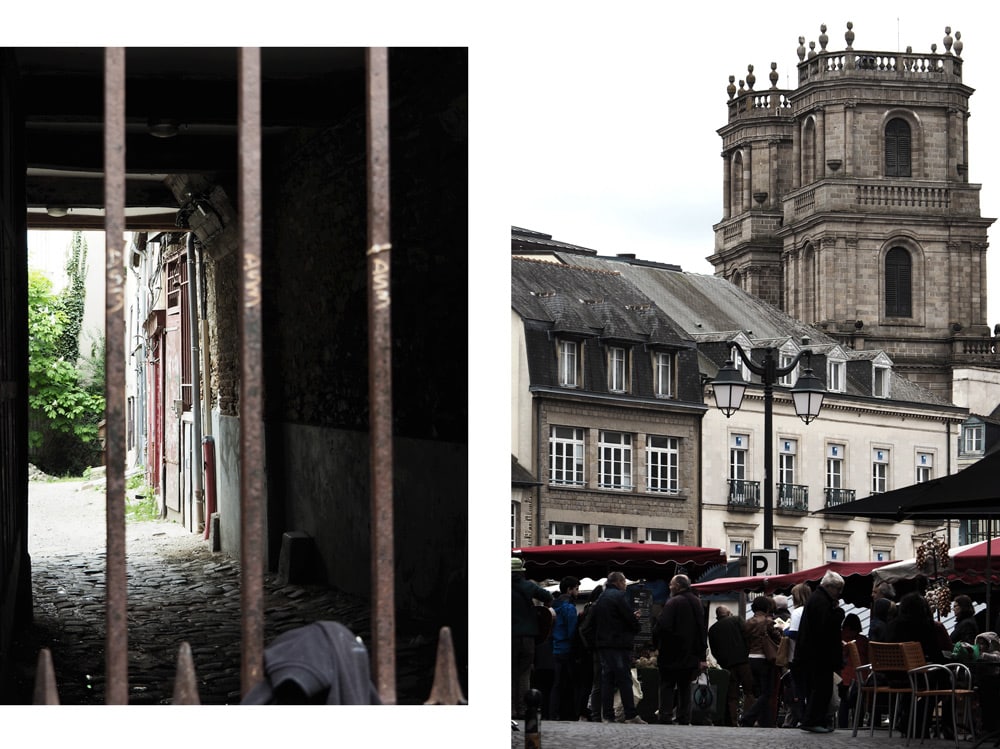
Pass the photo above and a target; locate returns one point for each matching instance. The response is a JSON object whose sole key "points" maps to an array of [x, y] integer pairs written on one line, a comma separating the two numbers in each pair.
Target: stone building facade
{"points": [[847, 204]]}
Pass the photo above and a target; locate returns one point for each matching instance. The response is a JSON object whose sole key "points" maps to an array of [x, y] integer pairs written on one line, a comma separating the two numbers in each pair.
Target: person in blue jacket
{"points": [[563, 700]]}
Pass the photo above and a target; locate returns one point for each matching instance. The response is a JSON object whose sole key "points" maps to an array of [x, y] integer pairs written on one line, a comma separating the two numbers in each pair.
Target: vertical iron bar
{"points": [[251, 387], [380, 377], [116, 689]]}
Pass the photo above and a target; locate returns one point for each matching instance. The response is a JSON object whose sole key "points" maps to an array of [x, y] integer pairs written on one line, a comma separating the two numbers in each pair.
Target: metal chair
{"points": [[934, 682], [885, 675]]}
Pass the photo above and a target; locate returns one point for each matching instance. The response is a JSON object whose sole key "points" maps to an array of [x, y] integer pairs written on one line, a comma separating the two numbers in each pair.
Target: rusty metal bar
{"points": [[380, 377], [251, 383], [116, 655]]}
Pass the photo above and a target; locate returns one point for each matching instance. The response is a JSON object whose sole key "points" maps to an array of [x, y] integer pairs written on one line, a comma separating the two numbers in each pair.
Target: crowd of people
{"points": [[789, 657]]}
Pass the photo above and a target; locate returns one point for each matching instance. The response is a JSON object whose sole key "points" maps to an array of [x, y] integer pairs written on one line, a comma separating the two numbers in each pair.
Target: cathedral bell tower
{"points": [[846, 203]]}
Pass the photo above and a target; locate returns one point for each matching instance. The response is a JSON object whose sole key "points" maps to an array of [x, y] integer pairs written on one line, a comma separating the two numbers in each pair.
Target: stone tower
{"points": [[847, 204]]}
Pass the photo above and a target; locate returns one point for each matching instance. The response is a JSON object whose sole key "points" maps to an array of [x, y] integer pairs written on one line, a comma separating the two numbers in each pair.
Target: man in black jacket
{"points": [[819, 650], [617, 624], [728, 641], [523, 632], [679, 633]]}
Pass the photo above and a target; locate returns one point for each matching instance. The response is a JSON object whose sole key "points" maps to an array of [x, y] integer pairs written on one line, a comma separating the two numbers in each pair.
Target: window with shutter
{"points": [[897, 149], [898, 274]]}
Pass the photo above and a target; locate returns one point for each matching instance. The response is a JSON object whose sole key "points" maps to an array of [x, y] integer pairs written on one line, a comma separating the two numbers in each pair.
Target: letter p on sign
{"points": [[763, 562]]}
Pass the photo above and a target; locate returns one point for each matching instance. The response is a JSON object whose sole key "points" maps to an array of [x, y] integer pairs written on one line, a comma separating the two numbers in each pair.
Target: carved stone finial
{"points": [[947, 40], [751, 78], [933, 49], [802, 48], [731, 89], [849, 36], [774, 75], [958, 43], [742, 89], [823, 38], [812, 49]]}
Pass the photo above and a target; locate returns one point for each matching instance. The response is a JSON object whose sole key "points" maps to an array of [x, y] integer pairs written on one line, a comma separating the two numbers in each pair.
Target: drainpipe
{"points": [[207, 441], [538, 472], [196, 462]]}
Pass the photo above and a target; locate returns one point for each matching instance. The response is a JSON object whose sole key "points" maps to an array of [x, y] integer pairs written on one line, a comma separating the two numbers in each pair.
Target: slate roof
{"points": [[701, 308], [588, 301]]}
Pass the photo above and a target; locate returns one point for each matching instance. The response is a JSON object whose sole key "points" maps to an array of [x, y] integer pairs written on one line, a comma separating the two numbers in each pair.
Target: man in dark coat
{"points": [[728, 641], [523, 630], [819, 650], [680, 636], [617, 624]]}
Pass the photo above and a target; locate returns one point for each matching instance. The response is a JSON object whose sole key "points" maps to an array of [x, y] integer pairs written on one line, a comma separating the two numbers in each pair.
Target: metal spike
{"points": [[446, 689], [46, 692], [186, 683]]}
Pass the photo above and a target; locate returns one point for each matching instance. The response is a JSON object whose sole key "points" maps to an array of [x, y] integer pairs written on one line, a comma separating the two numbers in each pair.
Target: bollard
{"points": [[533, 719]]}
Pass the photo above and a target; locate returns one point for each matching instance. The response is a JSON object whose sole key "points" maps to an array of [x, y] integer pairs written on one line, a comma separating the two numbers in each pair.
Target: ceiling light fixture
{"points": [[57, 211]]}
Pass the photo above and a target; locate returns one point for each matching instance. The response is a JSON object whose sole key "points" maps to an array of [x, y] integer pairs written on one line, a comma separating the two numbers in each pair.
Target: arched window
{"points": [[736, 199], [898, 275], [897, 148]]}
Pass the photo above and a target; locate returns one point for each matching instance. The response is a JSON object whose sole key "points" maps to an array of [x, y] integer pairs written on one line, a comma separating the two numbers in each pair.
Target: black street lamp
{"points": [[807, 395]]}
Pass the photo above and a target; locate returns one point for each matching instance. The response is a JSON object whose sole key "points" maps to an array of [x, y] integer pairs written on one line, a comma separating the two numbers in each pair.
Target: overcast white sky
{"points": [[611, 137]]}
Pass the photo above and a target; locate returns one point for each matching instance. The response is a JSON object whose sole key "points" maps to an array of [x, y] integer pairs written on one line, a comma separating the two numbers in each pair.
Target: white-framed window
{"points": [[739, 445], [614, 533], [663, 536], [617, 369], [972, 438], [836, 554], [881, 555], [835, 466], [786, 460], [569, 364], [662, 459], [615, 459], [835, 377], [880, 470], [739, 547], [566, 533], [880, 381], [925, 467], [566, 455], [663, 374], [784, 360]]}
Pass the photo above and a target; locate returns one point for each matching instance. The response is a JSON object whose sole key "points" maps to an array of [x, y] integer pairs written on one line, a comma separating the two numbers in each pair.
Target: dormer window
{"points": [[785, 359], [569, 364], [972, 439], [617, 369], [663, 374], [835, 375], [880, 381]]}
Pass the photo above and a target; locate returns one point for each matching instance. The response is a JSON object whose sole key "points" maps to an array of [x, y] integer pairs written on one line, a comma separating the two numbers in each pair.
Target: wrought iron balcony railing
{"points": [[744, 495], [793, 497], [836, 497]]}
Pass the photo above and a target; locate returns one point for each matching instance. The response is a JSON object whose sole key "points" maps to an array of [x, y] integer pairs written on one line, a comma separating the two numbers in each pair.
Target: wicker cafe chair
{"points": [[885, 675], [952, 681]]}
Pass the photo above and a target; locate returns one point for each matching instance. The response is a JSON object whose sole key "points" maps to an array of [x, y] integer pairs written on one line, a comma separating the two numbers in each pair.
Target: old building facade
{"points": [[877, 429], [847, 203]]}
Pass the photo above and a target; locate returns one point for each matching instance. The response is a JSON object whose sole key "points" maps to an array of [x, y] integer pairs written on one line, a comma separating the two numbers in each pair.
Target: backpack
{"points": [[586, 628], [546, 618]]}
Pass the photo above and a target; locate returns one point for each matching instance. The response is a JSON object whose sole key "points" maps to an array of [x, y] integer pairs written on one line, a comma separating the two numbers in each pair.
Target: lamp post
{"points": [[807, 395]]}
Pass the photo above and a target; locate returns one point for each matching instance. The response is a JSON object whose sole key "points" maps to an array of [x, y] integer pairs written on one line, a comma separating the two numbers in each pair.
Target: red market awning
{"points": [[857, 579], [596, 560]]}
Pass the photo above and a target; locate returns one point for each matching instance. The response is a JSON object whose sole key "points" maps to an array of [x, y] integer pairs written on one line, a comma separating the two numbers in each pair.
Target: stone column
{"points": [[820, 143]]}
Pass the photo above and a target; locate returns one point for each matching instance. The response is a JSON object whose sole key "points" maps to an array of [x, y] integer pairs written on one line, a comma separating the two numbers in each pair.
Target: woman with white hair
{"points": [[818, 650]]}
